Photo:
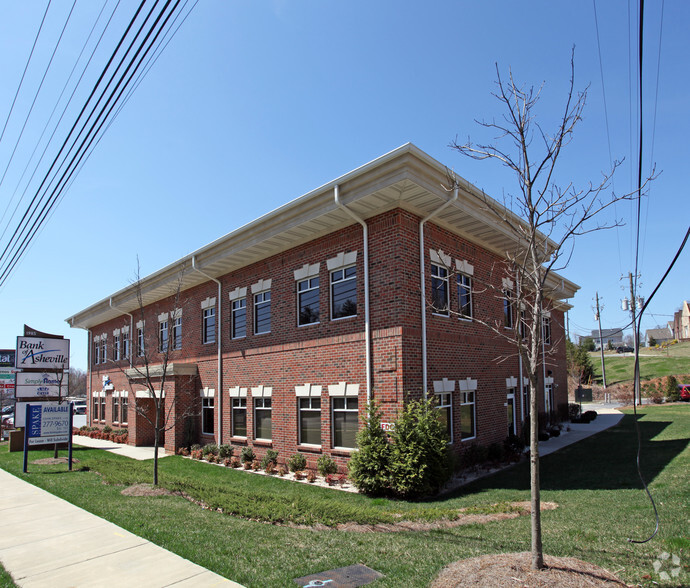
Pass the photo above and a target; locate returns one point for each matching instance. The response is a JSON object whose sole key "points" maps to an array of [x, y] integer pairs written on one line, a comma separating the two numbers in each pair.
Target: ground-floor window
{"points": [[102, 408], [445, 413], [116, 408], [239, 417], [510, 403], [468, 428], [96, 404], [262, 418], [207, 410], [345, 421], [310, 421], [124, 405]]}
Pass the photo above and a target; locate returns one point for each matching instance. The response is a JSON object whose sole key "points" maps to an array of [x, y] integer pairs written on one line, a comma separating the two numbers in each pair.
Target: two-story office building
{"points": [[378, 285]]}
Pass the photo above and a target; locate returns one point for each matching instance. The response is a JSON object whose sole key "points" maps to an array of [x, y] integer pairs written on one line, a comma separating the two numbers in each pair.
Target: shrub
{"points": [[420, 461], [474, 455], [672, 390], [211, 458], [195, 447], [573, 411], [196, 454], [496, 453], [227, 462], [369, 466], [311, 476], [270, 468], [271, 457], [256, 465], [107, 429], [297, 462], [225, 450], [282, 471], [234, 462], [247, 465], [209, 449], [247, 455], [326, 465], [589, 415], [543, 436], [513, 447], [656, 396]]}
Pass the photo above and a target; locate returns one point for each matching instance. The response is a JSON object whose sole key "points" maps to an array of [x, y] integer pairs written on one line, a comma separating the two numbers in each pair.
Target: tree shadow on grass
{"points": [[606, 461]]}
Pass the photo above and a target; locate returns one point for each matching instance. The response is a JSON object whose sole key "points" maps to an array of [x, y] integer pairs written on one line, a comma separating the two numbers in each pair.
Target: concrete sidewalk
{"points": [[46, 542], [139, 453], [607, 417]]}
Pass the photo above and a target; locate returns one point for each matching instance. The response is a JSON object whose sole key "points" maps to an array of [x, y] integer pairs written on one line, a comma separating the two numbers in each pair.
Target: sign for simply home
{"points": [[40, 385], [42, 353]]}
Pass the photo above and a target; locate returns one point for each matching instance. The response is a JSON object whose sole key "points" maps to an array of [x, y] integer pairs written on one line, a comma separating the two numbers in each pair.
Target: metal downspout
{"points": [[423, 280], [220, 357], [367, 322], [131, 327]]}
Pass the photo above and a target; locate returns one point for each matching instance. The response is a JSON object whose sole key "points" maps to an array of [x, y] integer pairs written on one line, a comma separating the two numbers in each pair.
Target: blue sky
{"points": [[254, 103]]}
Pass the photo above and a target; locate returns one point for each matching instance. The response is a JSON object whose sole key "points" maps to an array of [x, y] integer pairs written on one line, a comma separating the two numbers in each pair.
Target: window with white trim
{"points": [[177, 333], [104, 350], [468, 427], [345, 421], [445, 412], [124, 406], [546, 329], [239, 318], [523, 324], [140, 341], [508, 309], [308, 301], [344, 292], [262, 312], [116, 408], [102, 408], [96, 406], [125, 345], [464, 296], [239, 417], [262, 418], [208, 331], [207, 415], [163, 336], [309, 420], [97, 351], [439, 289], [116, 347]]}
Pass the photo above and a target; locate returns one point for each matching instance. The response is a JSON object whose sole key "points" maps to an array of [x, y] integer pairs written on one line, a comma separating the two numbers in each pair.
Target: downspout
{"points": [[367, 318], [220, 357], [422, 274], [131, 328]]}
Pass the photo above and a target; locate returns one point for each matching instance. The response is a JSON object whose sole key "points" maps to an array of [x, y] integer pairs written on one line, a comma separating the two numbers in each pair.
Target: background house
{"points": [[609, 338], [681, 322], [658, 336]]}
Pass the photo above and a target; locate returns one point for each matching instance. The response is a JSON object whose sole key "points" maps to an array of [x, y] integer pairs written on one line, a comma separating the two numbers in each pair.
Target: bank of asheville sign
{"points": [[40, 385], [48, 423], [42, 353]]}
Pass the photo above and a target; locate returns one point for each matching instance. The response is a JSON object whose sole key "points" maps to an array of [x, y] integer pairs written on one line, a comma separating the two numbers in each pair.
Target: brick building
{"points": [[284, 328]]}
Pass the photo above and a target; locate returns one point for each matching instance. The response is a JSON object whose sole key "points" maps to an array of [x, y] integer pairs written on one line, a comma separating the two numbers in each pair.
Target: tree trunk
{"points": [[535, 489]]}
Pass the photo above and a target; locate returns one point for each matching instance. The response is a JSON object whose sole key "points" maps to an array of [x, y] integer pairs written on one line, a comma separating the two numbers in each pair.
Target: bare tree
{"points": [[544, 219], [152, 356]]}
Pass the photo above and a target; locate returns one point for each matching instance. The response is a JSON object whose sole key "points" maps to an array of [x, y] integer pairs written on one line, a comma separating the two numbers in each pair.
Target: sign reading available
{"points": [[42, 353], [48, 423]]}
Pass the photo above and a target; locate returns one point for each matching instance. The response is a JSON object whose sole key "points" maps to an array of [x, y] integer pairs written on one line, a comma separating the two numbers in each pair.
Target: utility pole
{"points": [[631, 305], [601, 347]]}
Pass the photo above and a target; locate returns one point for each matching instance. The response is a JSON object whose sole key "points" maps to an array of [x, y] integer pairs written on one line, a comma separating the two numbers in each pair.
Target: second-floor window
{"points": [[464, 296], [177, 333], [546, 329], [262, 312], [116, 348], [209, 325], [239, 318], [140, 341], [163, 336], [344, 292], [507, 309], [308, 301], [125, 345], [439, 289]]}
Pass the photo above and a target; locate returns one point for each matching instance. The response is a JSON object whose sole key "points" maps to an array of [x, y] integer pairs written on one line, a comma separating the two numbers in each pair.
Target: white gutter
{"points": [[367, 322], [220, 357], [131, 328], [422, 274]]}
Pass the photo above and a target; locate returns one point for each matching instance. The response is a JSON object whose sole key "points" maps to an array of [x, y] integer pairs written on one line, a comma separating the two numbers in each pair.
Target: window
{"points": [[439, 289], [345, 420], [207, 409], [507, 309], [96, 352], [525, 401], [546, 329], [163, 336], [116, 408], [116, 348], [239, 417], [308, 301], [96, 404], [102, 408], [310, 421], [510, 404], [465, 296], [445, 412], [344, 292], [104, 350], [467, 415], [208, 334], [262, 418], [140, 341], [125, 345], [239, 318], [523, 324], [177, 333], [262, 312], [123, 407]]}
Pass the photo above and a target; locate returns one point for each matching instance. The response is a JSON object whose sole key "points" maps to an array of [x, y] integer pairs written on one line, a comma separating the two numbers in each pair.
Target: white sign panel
{"points": [[40, 385], [48, 422], [42, 353]]}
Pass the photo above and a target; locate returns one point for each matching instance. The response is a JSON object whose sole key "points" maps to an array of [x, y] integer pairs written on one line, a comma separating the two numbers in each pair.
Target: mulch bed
{"points": [[513, 570], [53, 461], [145, 490]]}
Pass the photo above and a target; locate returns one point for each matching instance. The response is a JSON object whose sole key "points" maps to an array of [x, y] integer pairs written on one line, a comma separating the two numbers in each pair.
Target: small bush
{"points": [[234, 462], [183, 451], [270, 468], [282, 471], [247, 465], [227, 462], [196, 454], [656, 396], [210, 449], [672, 390], [474, 456], [543, 436], [107, 429], [247, 455], [573, 411], [297, 462], [195, 447], [326, 465], [256, 465], [369, 466], [311, 476], [513, 447], [271, 457], [225, 450], [496, 453]]}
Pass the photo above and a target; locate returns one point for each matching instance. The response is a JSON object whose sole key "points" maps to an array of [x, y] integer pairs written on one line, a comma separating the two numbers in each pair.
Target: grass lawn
{"points": [[601, 505], [654, 363]]}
